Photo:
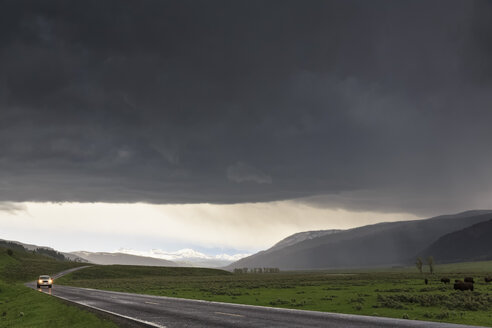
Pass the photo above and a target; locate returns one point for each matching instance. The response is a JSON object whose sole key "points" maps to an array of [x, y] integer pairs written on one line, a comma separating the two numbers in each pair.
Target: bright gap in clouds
{"points": [[209, 228]]}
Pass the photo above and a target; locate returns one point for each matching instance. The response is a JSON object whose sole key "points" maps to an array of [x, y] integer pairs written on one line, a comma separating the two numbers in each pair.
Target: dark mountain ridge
{"points": [[301, 236], [473, 243], [389, 243]]}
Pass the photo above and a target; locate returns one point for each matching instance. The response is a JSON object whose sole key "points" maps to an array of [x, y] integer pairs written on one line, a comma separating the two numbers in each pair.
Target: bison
{"points": [[426, 281], [487, 279], [463, 286], [469, 279], [445, 280]]}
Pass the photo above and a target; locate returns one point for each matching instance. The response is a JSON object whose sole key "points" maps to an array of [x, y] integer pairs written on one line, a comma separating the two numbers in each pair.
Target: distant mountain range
{"points": [[390, 243], [155, 257], [121, 258], [189, 257]]}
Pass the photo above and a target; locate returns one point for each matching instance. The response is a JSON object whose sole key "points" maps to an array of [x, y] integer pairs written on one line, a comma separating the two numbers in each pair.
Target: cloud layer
{"points": [[224, 102]]}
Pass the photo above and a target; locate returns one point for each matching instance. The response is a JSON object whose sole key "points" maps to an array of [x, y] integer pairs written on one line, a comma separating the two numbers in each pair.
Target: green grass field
{"points": [[396, 292], [23, 307]]}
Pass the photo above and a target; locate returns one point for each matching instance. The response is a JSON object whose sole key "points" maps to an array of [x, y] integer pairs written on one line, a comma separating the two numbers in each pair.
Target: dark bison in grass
{"points": [[469, 279], [463, 286], [445, 280], [487, 279]]}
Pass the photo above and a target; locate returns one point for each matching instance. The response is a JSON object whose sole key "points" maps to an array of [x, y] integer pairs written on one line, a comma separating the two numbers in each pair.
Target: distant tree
{"points": [[12, 245], [419, 264], [430, 263]]}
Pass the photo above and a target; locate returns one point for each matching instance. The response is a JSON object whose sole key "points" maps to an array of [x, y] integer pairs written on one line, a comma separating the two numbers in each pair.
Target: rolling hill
{"points": [[390, 243], [124, 259]]}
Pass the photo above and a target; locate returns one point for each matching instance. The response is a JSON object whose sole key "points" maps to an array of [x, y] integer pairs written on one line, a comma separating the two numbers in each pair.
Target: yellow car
{"points": [[45, 281]]}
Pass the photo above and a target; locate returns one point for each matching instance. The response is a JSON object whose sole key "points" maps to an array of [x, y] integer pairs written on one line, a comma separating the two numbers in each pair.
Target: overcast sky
{"points": [[364, 106]]}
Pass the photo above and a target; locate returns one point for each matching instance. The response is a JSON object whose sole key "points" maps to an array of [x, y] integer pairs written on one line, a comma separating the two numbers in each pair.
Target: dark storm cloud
{"points": [[234, 101]]}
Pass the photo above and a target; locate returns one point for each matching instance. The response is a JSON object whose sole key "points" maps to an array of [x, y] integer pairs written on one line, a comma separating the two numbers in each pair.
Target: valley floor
{"points": [[397, 293]]}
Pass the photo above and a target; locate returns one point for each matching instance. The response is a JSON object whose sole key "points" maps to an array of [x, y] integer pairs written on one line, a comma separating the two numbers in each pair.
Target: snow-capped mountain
{"points": [[187, 256]]}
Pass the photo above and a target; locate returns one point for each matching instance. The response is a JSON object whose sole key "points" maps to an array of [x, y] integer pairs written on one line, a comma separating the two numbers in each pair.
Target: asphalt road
{"points": [[158, 311]]}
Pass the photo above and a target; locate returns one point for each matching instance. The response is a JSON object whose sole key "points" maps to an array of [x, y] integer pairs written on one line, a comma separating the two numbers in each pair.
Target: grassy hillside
{"points": [[25, 266], [389, 292], [23, 307]]}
